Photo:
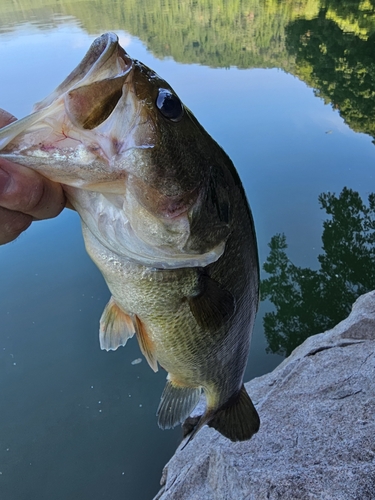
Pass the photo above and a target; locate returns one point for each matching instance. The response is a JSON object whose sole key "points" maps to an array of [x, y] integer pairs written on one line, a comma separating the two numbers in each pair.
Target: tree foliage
{"points": [[339, 64], [330, 44], [307, 301]]}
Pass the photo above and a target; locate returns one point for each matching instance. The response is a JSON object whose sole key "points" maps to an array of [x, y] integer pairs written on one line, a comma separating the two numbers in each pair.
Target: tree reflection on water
{"points": [[307, 301], [338, 63], [329, 44]]}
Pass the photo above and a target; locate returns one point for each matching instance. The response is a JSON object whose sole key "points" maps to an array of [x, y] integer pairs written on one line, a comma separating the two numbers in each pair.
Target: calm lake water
{"points": [[287, 91]]}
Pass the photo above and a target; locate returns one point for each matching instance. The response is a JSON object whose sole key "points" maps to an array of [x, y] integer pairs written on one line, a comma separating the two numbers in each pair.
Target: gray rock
{"points": [[317, 435]]}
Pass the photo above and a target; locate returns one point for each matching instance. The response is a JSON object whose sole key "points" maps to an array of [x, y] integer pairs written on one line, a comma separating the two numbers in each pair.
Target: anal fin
{"points": [[176, 404], [145, 343], [213, 306], [116, 327]]}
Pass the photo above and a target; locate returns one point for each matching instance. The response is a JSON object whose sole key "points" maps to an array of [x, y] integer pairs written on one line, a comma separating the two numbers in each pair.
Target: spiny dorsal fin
{"points": [[176, 404], [116, 327], [145, 343], [214, 305]]}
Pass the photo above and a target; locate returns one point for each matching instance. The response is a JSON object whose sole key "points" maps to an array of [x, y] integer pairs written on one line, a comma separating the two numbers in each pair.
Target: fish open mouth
{"points": [[73, 134], [102, 72], [104, 62]]}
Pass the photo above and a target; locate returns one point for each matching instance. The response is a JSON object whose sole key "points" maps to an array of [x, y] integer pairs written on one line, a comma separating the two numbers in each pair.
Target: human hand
{"points": [[25, 195]]}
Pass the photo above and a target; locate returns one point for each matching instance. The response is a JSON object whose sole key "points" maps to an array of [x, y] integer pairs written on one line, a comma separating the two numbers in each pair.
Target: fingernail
{"points": [[4, 181]]}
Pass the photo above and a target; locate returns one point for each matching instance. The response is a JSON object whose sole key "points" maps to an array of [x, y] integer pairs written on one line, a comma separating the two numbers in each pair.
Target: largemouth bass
{"points": [[166, 220]]}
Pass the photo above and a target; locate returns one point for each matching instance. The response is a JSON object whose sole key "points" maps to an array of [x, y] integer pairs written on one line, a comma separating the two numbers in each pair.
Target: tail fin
{"points": [[237, 419]]}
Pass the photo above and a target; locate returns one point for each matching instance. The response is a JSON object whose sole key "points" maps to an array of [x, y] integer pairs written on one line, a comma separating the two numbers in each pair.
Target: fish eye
{"points": [[169, 105]]}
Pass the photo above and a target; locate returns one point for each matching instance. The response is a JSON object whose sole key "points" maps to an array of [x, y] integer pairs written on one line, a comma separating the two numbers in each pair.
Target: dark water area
{"points": [[288, 91]]}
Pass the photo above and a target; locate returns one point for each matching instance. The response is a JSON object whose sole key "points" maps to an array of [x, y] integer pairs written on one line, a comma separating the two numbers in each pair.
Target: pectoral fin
{"points": [[116, 327], [176, 404], [145, 343], [213, 306]]}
